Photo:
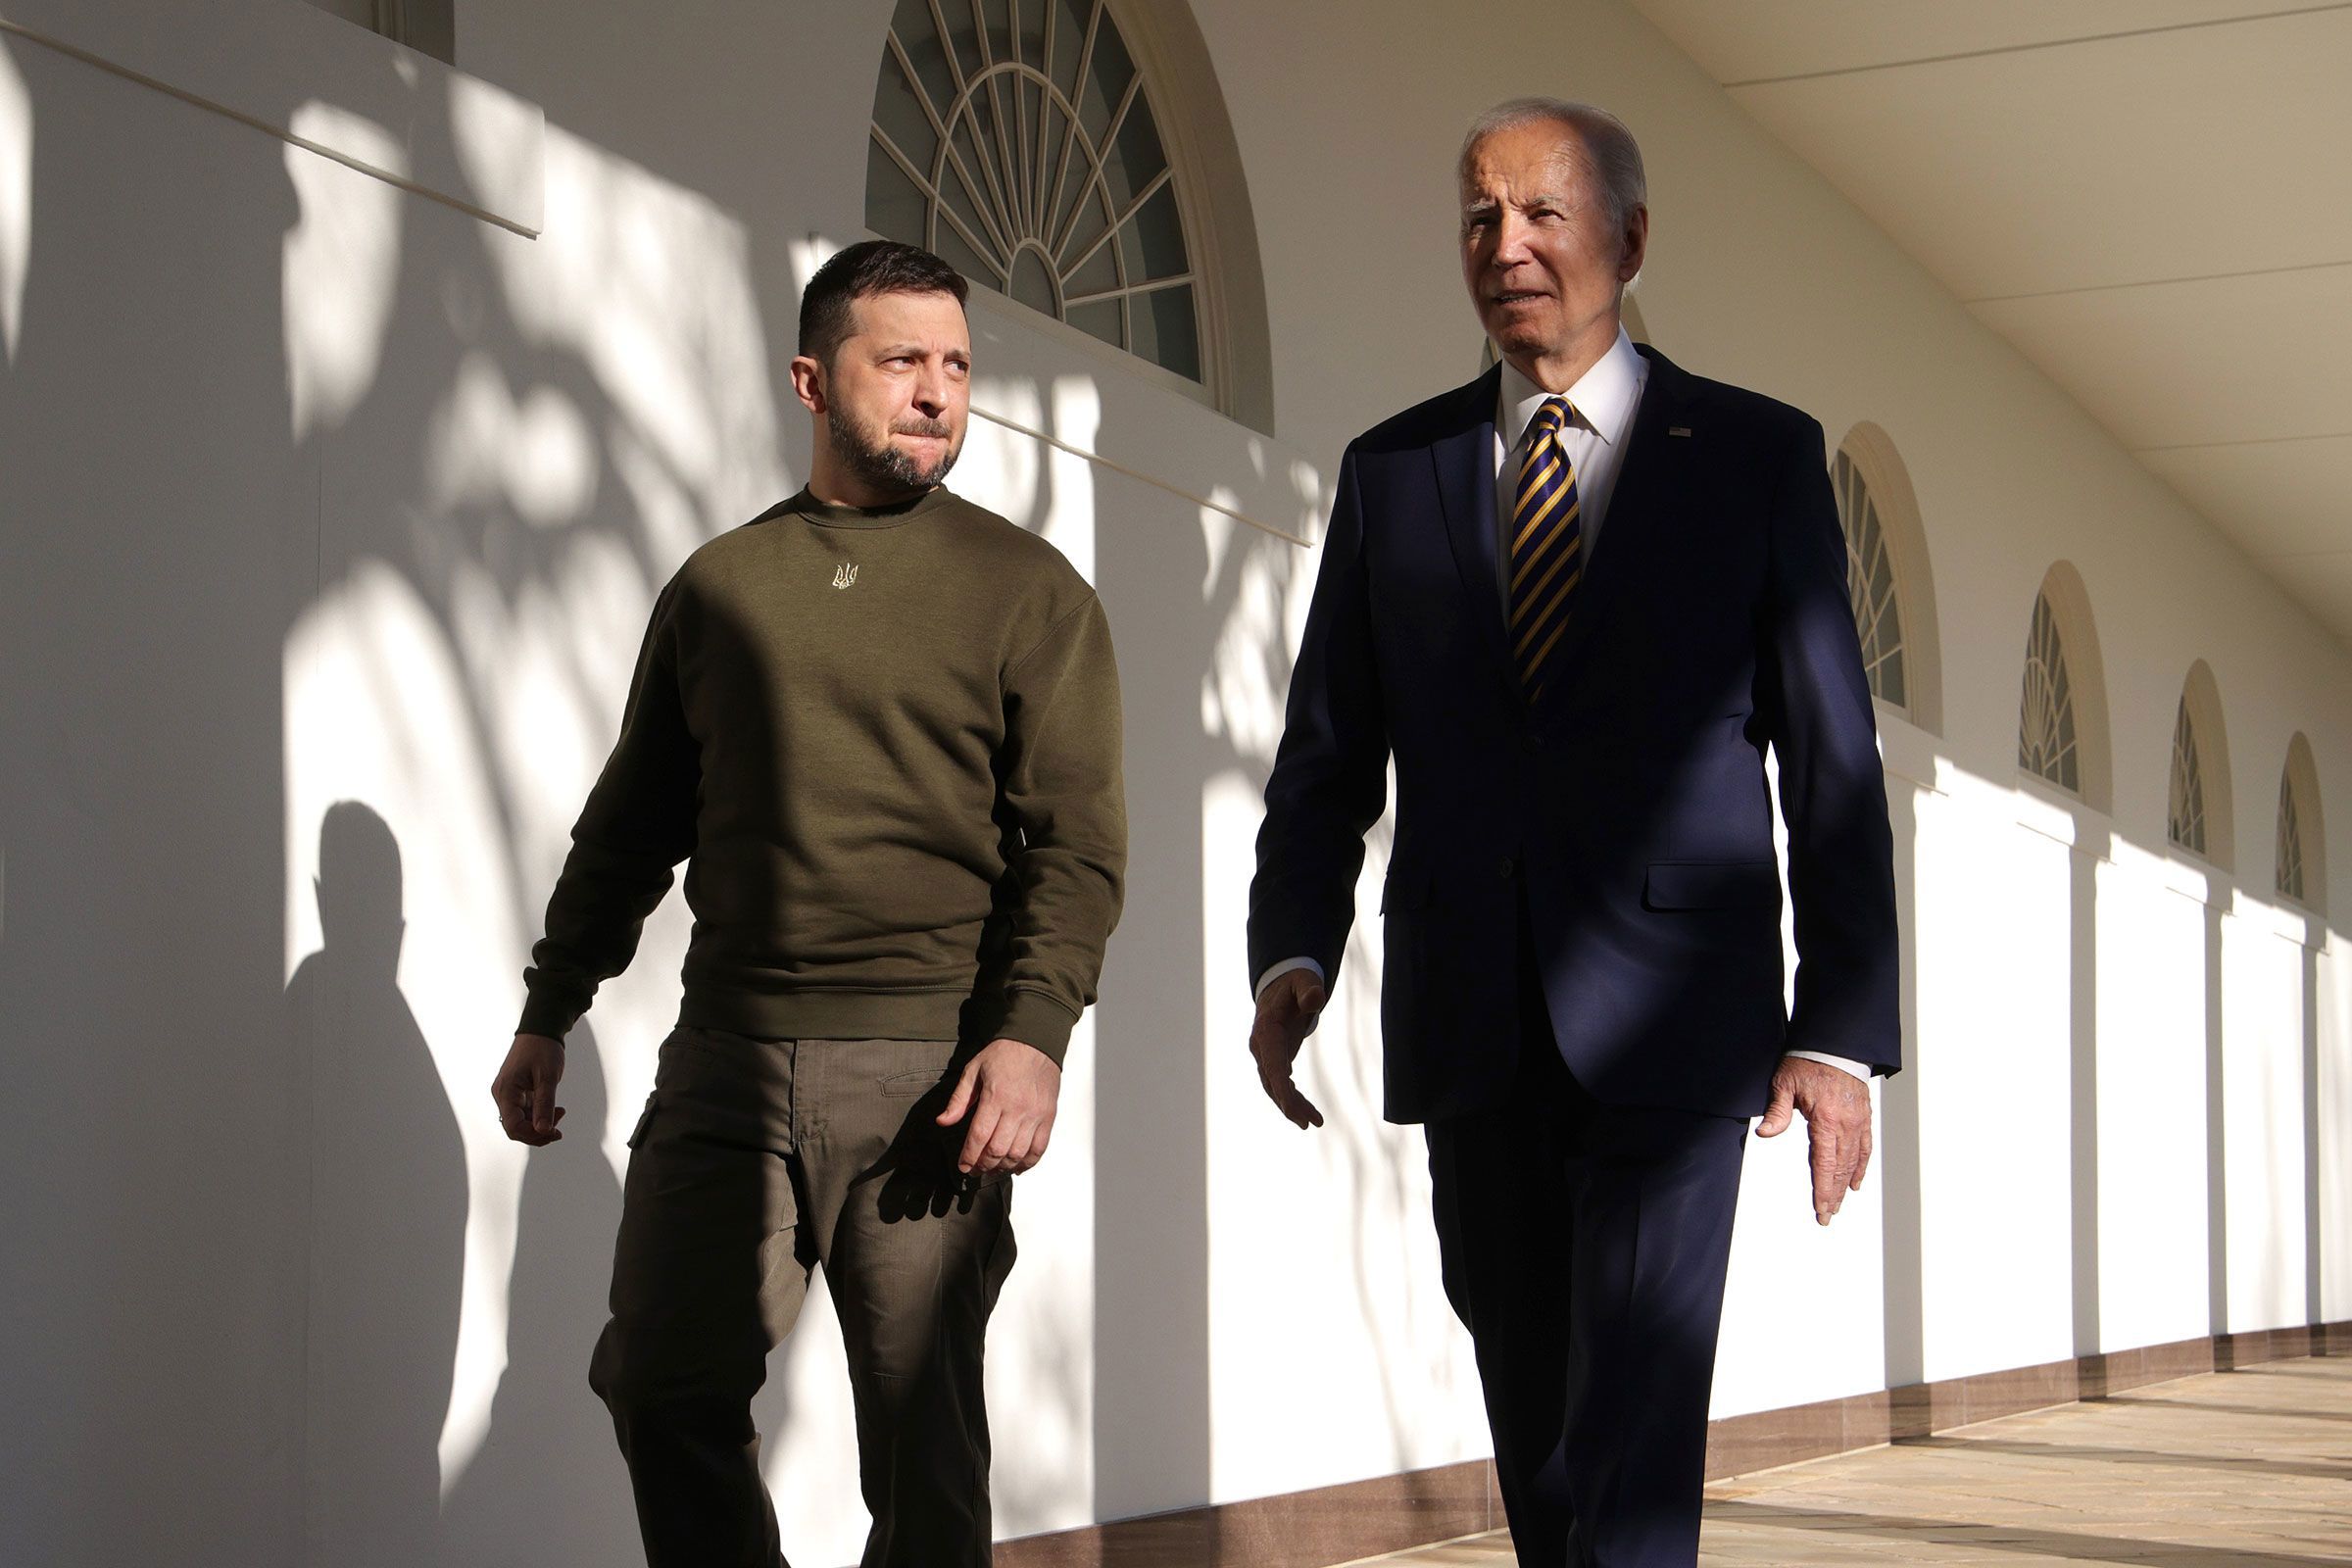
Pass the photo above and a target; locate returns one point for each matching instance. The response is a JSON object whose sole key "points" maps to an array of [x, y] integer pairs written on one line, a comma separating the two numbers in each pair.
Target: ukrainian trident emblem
{"points": [[844, 575]]}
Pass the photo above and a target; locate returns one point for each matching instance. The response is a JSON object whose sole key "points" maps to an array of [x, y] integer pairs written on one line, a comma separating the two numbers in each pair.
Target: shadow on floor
{"points": [[2069, 1453], [2200, 1407], [2009, 1538]]}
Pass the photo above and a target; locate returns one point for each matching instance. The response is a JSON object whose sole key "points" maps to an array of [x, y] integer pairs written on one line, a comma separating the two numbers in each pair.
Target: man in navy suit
{"points": [[1576, 601]]}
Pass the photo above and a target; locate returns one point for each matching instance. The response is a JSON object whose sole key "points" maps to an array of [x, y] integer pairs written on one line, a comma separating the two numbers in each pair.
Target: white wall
{"points": [[320, 490], [2155, 1266]]}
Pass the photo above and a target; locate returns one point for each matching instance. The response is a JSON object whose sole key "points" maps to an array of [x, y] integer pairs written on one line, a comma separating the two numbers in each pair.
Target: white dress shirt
{"points": [[1601, 425], [1600, 420]]}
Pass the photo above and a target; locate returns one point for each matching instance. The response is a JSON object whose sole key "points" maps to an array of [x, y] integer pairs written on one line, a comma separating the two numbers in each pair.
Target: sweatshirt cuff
{"points": [[1038, 1020], [547, 1015]]}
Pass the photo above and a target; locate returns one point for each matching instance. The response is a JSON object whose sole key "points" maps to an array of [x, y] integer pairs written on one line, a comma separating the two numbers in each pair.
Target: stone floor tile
{"points": [[2245, 1469]]}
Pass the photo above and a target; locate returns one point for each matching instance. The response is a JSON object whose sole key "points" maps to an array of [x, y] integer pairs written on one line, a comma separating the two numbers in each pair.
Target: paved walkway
{"points": [[2248, 1469]]}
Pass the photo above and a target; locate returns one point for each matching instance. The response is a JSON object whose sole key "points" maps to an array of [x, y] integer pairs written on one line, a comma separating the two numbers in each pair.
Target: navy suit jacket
{"points": [[1627, 817]]}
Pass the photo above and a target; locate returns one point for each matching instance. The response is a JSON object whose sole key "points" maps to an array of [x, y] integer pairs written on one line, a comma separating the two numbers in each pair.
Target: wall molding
{"points": [[2044, 808], [1420, 1507], [1146, 424], [424, 127], [1018, 427]]}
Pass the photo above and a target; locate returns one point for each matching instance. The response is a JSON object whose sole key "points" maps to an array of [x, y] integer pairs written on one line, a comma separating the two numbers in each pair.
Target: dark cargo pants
{"points": [[755, 1160]]}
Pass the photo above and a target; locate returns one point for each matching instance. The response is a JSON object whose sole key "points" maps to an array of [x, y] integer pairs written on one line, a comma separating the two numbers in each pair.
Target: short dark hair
{"points": [[866, 269]]}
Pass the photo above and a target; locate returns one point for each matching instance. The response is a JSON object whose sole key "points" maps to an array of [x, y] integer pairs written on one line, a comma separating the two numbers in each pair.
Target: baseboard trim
{"points": [[1294, 1530], [1390, 1513]]}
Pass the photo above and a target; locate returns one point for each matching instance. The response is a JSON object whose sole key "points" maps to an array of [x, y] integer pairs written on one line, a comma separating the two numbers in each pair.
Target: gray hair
{"points": [[1611, 155]]}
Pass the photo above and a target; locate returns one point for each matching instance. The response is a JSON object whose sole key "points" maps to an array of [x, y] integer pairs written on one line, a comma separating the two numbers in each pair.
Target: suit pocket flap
{"points": [[1406, 887], [1711, 885]]}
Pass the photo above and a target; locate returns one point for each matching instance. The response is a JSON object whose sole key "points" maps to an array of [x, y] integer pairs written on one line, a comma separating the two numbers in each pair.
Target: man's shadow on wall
{"points": [[548, 1485], [386, 1216]]}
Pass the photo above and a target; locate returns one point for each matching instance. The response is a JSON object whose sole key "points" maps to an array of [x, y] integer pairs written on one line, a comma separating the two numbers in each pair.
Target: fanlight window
{"points": [[2185, 822], [2290, 842], [1870, 584], [1016, 138], [2045, 725]]}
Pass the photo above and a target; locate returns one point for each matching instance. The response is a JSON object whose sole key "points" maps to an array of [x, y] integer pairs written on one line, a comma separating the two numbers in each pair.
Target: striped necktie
{"points": [[1546, 547]]}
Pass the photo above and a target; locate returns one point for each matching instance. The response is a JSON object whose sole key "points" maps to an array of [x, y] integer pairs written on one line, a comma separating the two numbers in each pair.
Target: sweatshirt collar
{"points": [[827, 516]]}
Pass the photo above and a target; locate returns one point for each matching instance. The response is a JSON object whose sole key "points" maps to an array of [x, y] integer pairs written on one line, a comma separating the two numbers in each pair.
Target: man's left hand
{"points": [[1011, 1090], [1836, 1109]]}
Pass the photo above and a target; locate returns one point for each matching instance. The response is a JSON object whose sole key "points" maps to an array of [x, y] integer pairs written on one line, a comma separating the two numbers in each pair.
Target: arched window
{"points": [[2291, 840], [2184, 818], [1887, 577], [428, 26], [2199, 817], [2045, 725], [1870, 583], [2062, 706], [2302, 865], [1019, 142]]}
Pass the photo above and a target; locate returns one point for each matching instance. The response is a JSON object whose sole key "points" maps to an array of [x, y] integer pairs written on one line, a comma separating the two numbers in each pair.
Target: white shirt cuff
{"points": [[1274, 971], [1841, 1063]]}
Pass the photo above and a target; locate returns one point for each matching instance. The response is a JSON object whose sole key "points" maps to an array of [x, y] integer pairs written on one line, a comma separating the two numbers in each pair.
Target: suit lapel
{"points": [[1644, 485], [1464, 459]]}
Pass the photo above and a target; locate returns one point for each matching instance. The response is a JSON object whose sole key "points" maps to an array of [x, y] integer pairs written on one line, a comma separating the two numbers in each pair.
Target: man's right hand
{"points": [[525, 1089], [1286, 1013]]}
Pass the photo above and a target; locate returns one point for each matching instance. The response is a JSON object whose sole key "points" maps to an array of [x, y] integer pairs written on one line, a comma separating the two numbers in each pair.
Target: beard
{"points": [[871, 457]]}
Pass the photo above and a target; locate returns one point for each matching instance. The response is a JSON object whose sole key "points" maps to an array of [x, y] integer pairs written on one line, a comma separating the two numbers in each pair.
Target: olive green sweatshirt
{"points": [[888, 741]]}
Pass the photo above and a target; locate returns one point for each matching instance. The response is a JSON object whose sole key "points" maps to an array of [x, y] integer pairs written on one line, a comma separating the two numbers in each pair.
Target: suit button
{"points": [[1505, 868]]}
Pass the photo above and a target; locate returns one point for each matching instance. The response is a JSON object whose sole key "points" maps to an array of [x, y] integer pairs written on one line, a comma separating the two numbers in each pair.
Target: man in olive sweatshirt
{"points": [[883, 726]]}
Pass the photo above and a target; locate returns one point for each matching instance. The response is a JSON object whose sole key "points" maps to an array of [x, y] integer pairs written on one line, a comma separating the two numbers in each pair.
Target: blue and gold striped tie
{"points": [[1546, 547]]}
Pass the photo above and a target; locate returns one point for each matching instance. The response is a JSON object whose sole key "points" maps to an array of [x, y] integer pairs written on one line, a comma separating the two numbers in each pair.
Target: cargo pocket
{"points": [[645, 1120]]}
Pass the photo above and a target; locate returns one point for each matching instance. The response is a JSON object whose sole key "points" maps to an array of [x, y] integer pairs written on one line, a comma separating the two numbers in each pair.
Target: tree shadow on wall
{"points": [[526, 489], [1200, 604], [548, 1485], [1383, 1165], [1151, 1286], [387, 1217]]}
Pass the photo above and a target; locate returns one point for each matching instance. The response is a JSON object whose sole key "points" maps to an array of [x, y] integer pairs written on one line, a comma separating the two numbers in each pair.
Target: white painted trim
{"points": [[2196, 880], [2043, 808], [2046, 809], [2051, 818], [465, 142], [2282, 920]]}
